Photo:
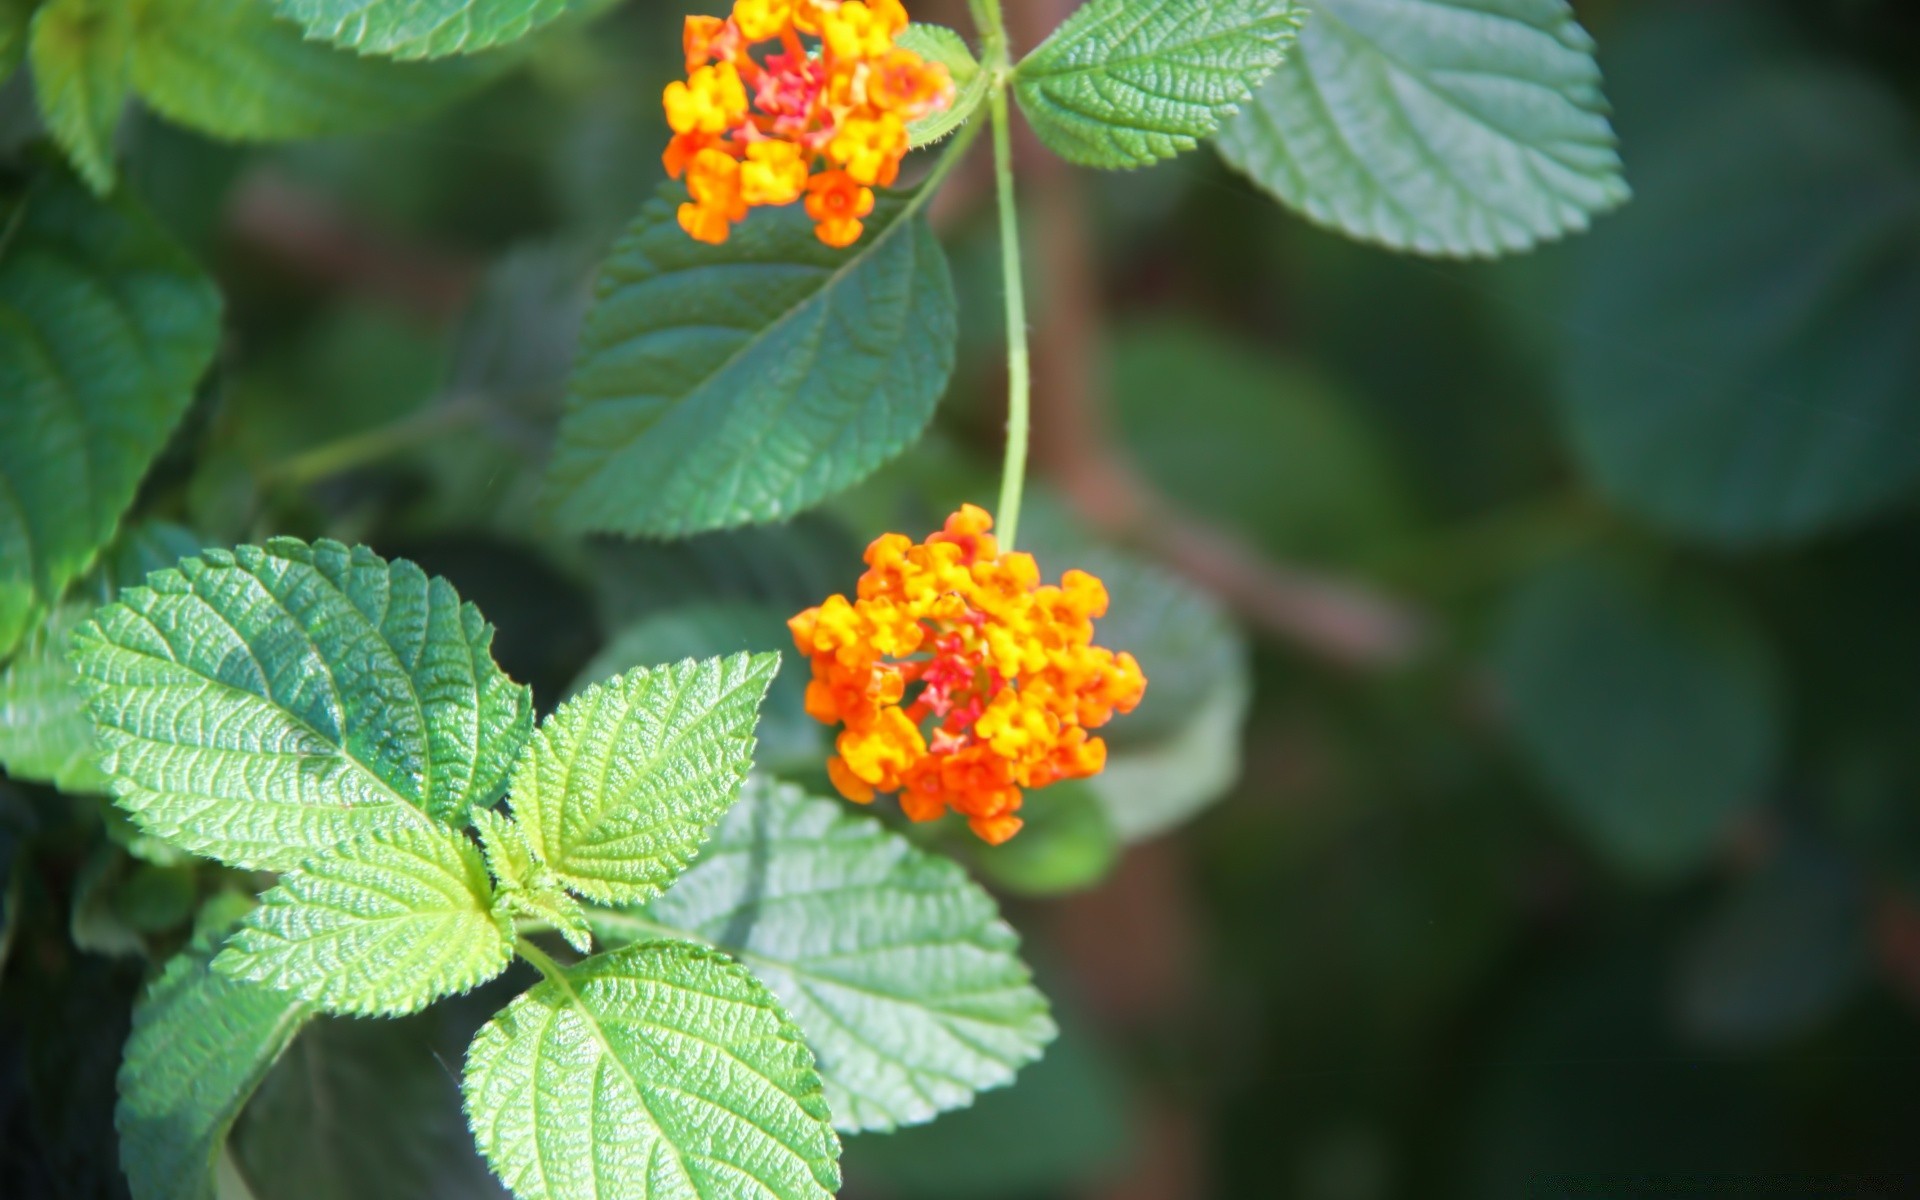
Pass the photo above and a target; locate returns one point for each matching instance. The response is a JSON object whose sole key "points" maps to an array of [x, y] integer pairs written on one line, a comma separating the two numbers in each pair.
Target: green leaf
{"points": [[233, 69], [623, 782], [260, 704], [361, 1110], [1740, 362], [15, 19], [419, 28], [937, 43], [1068, 844], [105, 328], [384, 925], [722, 385], [1651, 713], [682, 1081], [78, 50], [200, 1045], [895, 965], [45, 735], [1445, 127], [1123, 83], [527, 888]]}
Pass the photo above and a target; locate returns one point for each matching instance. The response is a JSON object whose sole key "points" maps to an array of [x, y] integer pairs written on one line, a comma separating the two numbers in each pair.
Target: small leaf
{"points": [[45, 734], [78, 50], [233, 69], [895, 965], [419, 28], [201, 1044], [105, 327], [682, 1081], [384, 925], [1446, 127], [260, 704], [937, 43], [622, 783], [526, 888], [1652, 714], [722, 385], [1123, 83]]}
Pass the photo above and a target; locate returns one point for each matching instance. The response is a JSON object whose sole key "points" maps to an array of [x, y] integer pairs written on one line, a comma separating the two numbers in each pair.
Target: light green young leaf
{"points": [[78, 50], [895, 965], [105, 327], [623, 782], [265, 703], [937, 43], [1123, 83], [45, 734], [683, 1081], [722, 385], [383, 925], [201, 1044], [1446, 127], [233, 69], [420, 28], [526, 887]]}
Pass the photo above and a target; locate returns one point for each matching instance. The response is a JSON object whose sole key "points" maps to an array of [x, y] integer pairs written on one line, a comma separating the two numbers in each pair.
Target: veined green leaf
{"points": [[78, 49], [895, 965], [105, 327], [45, 735], [1123, 83], [623, 782], [420, 28], [261, 704], [1447, 127], [722, 385], [201, 1044], [937, 43], [233, 69], [383, 925], [684, 1081], [526, 887]]}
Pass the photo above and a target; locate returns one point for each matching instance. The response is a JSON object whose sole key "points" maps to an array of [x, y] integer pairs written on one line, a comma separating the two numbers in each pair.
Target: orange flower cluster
{"points": [[1005, 675], [828, 124]]}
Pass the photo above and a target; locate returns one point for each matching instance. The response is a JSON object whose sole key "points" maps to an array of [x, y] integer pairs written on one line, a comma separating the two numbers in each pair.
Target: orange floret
{"points": [[795, 116], [1004, 677]]}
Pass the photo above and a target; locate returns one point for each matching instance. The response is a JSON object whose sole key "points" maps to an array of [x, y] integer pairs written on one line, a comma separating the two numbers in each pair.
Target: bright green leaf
{"points": [[1447, 127], [937, 43], [1123, 83], [526, 887], [1652, 714], [260, 704], [78, 50], [722, 385], [200, 1045], [45, 735], [682, 1081], [623, 782], [1740, 360], [420, 28], [896, 966], [383, 925], [233, 69], [105, 328]]}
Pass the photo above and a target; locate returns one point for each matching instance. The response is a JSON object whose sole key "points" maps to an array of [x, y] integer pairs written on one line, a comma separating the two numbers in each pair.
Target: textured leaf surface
{"points": [[895, 965], [385, 925], [45, 735], [1652, 714], [622, 783], [258, 704], [682, 1080], [105, 328], [1740, 362], [200, 1045], [721, 385], [1447, 127], [78, 49], [420, 28], [1123, 83], [233, 69]]}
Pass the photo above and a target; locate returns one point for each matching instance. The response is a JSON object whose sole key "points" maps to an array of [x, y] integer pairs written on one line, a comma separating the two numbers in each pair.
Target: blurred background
{"points": [[1529, 787]]}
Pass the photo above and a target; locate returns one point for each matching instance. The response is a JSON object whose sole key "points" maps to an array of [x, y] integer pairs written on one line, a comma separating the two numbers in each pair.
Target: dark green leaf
{"points": [[78, 50], [419, 28]]}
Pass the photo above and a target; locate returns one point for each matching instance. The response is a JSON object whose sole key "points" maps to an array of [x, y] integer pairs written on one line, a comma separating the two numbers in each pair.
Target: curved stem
{"points": [[357, 450], [1013, 472], [540, 959]]}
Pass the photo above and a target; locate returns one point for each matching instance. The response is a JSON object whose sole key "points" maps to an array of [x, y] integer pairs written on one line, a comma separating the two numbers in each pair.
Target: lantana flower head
{"points": [[960, 679], [828, 123]]}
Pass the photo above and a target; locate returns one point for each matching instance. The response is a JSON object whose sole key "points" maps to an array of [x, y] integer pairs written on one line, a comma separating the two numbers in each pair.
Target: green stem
{"points": [[540, 959], [1013, 472], [357, 450]]}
